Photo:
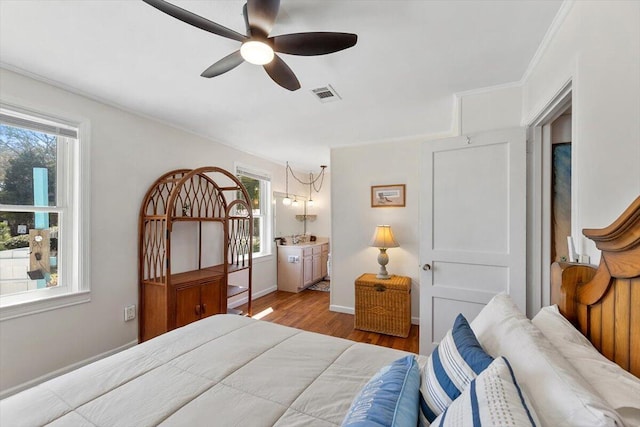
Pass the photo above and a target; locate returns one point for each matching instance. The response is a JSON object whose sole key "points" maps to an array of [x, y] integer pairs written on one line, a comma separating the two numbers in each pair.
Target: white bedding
{"points": [[224, 370], [560, 395], [228, 370]]}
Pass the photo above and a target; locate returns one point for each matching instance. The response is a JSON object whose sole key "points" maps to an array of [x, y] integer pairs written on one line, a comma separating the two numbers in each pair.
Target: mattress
{"points": [[224, 370]]}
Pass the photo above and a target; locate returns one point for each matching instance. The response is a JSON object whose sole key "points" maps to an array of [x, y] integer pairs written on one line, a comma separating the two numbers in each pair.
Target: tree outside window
{"points": [[28, 179], [258, 189]]}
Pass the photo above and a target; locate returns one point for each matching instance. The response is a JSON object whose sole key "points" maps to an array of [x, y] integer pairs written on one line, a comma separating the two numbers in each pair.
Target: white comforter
{"points": [[224, 370]]}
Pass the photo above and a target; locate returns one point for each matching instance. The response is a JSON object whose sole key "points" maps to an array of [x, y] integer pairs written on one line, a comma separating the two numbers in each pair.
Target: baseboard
{"points": [[350, 310], [341, 309], [13, 390], [244, 299]]}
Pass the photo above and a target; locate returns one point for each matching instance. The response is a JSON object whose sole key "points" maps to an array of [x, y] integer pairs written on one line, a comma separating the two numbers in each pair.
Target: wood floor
{"points": [[309, 310]]}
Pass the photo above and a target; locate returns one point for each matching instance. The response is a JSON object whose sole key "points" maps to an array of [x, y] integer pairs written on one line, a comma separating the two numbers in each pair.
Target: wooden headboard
{"points": [[604, 303]]}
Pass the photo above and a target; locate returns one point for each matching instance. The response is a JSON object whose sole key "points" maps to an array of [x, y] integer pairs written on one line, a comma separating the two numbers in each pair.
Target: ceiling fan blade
{"points": [[195, 20], [246, 20], [282, 74], [262, 14], [227, 63], [310, 44]]}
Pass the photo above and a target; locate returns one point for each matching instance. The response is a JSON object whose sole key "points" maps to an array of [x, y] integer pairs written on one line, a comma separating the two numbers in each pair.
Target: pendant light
{"points": [[310, 202], [287, 201], [311, 183]]}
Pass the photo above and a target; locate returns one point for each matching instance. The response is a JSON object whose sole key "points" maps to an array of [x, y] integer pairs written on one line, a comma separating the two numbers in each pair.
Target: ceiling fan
{"points": [[257, 47]]}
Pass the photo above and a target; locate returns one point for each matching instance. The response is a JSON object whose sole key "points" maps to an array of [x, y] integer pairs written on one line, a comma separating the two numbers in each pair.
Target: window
{"points": [[258, 185], [40, 214]]}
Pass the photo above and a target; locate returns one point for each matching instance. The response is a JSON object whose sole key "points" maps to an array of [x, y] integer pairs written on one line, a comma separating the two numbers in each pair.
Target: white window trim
{"points": [[267, 216], [76, 261]]}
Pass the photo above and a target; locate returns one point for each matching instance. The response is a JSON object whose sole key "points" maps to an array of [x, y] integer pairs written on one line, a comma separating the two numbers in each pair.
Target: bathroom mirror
{"points": [[284, 217]]}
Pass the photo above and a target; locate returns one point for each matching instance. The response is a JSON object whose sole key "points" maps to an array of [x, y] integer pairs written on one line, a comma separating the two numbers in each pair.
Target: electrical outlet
{"points": [[129, 313]]}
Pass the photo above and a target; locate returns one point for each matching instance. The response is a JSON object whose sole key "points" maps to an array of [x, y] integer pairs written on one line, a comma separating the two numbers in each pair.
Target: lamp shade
{"points": [[383, 237]]}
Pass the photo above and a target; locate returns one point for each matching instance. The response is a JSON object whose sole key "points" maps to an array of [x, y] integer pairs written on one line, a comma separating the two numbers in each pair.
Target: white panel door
{"points": [[472, 226]]}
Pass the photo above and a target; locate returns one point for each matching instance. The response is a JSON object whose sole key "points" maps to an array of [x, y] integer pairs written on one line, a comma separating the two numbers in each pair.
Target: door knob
{"points": [[426, 267]]}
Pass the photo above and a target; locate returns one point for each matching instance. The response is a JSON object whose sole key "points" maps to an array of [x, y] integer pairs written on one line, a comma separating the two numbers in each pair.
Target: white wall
{"points": [[128, 153], [490, 109], [321, 226], [598, 48], [354, 171]]}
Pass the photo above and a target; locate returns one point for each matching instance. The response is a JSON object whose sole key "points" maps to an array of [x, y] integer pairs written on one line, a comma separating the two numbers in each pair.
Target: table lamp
{"points": [[383, 239]]}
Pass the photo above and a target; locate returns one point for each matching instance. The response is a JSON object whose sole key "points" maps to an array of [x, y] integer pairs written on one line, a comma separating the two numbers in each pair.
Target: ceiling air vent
{"points": [[326, 94]]}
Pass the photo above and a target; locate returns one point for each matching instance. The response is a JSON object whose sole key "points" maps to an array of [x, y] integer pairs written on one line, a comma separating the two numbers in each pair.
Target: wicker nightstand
{"points": [[383, 305]]}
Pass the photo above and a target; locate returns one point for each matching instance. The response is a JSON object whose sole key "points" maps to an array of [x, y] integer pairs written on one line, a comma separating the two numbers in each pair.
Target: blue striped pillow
{"points": [[390, 398], [457, 360], [493, 398]]}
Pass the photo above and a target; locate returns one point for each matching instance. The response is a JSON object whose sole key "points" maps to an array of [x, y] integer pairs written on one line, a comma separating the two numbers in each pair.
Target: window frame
{"points": [[72, 206], [265, 205]]}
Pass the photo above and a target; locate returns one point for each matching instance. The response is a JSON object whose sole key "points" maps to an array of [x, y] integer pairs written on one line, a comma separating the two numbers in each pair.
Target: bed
{"points": [[229, 370]]}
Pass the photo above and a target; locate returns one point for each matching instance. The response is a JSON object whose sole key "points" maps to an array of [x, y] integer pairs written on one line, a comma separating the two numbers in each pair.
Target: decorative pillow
{"points": [[618, 387], [390, 398], [457, 360], [493, 398], [560, 394], [487, 323]]}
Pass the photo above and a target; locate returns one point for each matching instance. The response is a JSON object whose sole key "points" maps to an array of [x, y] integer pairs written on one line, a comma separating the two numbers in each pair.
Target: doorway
{"points": [[560, 191], [551, 196]]}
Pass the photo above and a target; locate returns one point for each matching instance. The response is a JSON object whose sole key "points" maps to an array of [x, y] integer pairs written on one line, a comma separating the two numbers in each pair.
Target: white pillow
{"points": [[618, 387], [493, 398], [558, 392]]}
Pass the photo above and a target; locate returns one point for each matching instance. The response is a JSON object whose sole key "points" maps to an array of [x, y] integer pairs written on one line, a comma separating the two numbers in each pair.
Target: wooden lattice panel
{"points": [[199, 197], [154, 262], [239, 241], [157, 198]]}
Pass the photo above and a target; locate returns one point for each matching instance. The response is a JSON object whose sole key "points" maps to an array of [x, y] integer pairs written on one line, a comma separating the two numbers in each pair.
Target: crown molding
{"points": [[557, 22]]}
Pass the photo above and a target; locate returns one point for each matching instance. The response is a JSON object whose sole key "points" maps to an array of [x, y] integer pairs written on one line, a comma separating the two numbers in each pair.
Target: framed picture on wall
{"points": [[387, 196]]}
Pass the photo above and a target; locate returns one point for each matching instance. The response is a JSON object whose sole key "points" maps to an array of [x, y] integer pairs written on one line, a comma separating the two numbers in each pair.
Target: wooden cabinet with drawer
{"points": [[198, 300], [190, 296]]}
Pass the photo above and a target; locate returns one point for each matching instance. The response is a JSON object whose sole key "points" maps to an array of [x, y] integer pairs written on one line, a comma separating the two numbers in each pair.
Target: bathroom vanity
{"points": [[302, 265]]}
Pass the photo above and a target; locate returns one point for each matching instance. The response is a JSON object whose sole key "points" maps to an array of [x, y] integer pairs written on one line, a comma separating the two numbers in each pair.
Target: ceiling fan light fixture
{"points": [[257, 47], [256, 52]]}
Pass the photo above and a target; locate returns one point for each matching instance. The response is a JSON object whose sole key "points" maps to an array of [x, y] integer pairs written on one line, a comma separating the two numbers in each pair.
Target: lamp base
{"points": [[383, 259]]}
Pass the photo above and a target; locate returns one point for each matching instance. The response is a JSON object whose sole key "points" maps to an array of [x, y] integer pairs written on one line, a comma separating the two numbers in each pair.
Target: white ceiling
{"points": [[396, 83]]}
